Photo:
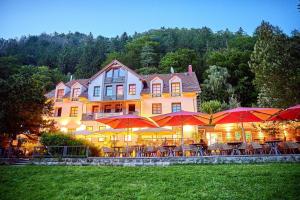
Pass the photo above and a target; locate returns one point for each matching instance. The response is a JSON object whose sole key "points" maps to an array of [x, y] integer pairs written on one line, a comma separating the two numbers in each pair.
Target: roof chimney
{"points": [[190, 70]]}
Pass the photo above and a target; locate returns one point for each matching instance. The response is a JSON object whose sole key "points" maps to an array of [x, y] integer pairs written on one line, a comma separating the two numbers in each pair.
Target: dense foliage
{"points": [[60, 139]]}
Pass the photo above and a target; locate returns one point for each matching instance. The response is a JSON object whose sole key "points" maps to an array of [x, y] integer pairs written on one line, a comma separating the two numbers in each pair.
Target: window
{"points": [[156, 89], [120, 91], [95, 109], [127, 138], [57, 112], [89, 128], [109, 74], [109, 91], [175, 89], [107, 108], [176, 107], [132, 89], [118, 107], [74, 112], [131, 108], [101, 128], [156, 108], [60, 93], [96, 91], [116, 73], [76, 92]]}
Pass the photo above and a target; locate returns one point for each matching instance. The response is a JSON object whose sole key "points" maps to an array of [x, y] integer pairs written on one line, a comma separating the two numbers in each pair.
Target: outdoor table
{"points": [[117, 149], [139, 150], [274, 146], [200, 148], [170, 150], [235, 147]]}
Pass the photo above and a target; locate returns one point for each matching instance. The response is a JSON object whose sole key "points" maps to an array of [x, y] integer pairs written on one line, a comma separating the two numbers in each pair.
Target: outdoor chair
{"points": [[289, 147], [187, 148], [266, 148], [178, 151], [225, 149], [256, 148], [213, 149], [150, 151], [108, 152], [162, 151], [126, 152], [244, 148]]}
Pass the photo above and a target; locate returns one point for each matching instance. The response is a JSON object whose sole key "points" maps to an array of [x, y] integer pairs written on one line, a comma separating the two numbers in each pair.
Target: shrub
{"points": [[61, 139]]}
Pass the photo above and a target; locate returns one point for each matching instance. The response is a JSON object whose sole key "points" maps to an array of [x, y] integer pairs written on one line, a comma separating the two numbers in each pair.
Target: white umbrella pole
{"points": [[182, 142]]}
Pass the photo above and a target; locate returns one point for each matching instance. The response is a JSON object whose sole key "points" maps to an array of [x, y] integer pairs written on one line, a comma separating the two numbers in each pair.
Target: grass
{"points": [[264, 181]]}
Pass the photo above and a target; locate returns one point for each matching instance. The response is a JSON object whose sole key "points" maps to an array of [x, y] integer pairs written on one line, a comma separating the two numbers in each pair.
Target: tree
{"points": [[210, 107], [148, 56], [179, 60], [215, 85], [276, 75], [23, 105], [241, 77]]}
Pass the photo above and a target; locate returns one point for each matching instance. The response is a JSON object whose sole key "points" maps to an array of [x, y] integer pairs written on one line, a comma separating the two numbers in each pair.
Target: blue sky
{"points": [[113, 17]]}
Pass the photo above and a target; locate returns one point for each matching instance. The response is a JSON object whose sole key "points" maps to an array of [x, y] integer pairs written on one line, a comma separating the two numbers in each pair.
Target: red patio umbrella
{"points": [[182, 118], [127, 121], [292, 113], [243, 114]]}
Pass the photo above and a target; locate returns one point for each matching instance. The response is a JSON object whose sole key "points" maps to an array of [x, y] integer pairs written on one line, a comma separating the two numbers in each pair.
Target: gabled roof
{"points": [[83, 82], [189, 82], [114, 63]]}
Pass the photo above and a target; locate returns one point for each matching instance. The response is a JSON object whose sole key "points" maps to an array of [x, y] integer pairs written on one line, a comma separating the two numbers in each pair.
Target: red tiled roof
{"points": [[189, 82]]}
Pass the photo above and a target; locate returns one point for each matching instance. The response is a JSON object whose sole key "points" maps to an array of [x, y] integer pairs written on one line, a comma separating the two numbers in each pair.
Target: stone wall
{"points": [[158, 161]]}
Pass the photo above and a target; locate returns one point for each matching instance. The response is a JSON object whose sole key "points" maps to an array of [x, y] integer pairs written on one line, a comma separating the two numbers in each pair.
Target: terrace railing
{"points": [[61, 151]]}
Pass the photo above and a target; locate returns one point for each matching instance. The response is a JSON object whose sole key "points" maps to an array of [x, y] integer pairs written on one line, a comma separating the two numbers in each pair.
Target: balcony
{"points": [[175, 94], [113, 97], [95, 116], [120, 79]]}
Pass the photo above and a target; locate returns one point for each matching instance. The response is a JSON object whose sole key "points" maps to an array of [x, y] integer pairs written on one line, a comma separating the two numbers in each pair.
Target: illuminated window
{"points": [[176, 107], [127, 138], [107, 108], [175, 89], [156, 89], [89, 128], [101, 128], [118, 107], [76, 92], [60, 93], [74, 112], [132, 89], [95, 109], [120, 91], [156, 108], [109, 91], [101, 139], [96, 91]]}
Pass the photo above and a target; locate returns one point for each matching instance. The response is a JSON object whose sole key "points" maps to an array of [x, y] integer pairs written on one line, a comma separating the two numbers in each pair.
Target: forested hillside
{"points": [[233, 68]]}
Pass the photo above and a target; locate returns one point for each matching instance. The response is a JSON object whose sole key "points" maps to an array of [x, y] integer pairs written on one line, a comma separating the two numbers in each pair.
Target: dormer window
{"points": [[156, 89], [76, 92], [60, 93], [175, 89]]}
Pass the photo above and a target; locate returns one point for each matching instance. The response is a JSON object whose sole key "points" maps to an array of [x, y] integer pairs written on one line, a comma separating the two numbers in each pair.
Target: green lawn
{"points": [[268, 181]]}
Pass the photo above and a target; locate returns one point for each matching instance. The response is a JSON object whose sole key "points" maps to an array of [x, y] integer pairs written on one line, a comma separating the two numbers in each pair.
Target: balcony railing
{"points": [[175, 94], [94, 116], [113, 97], [120, 79], [74, 99], [156, 94]]}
